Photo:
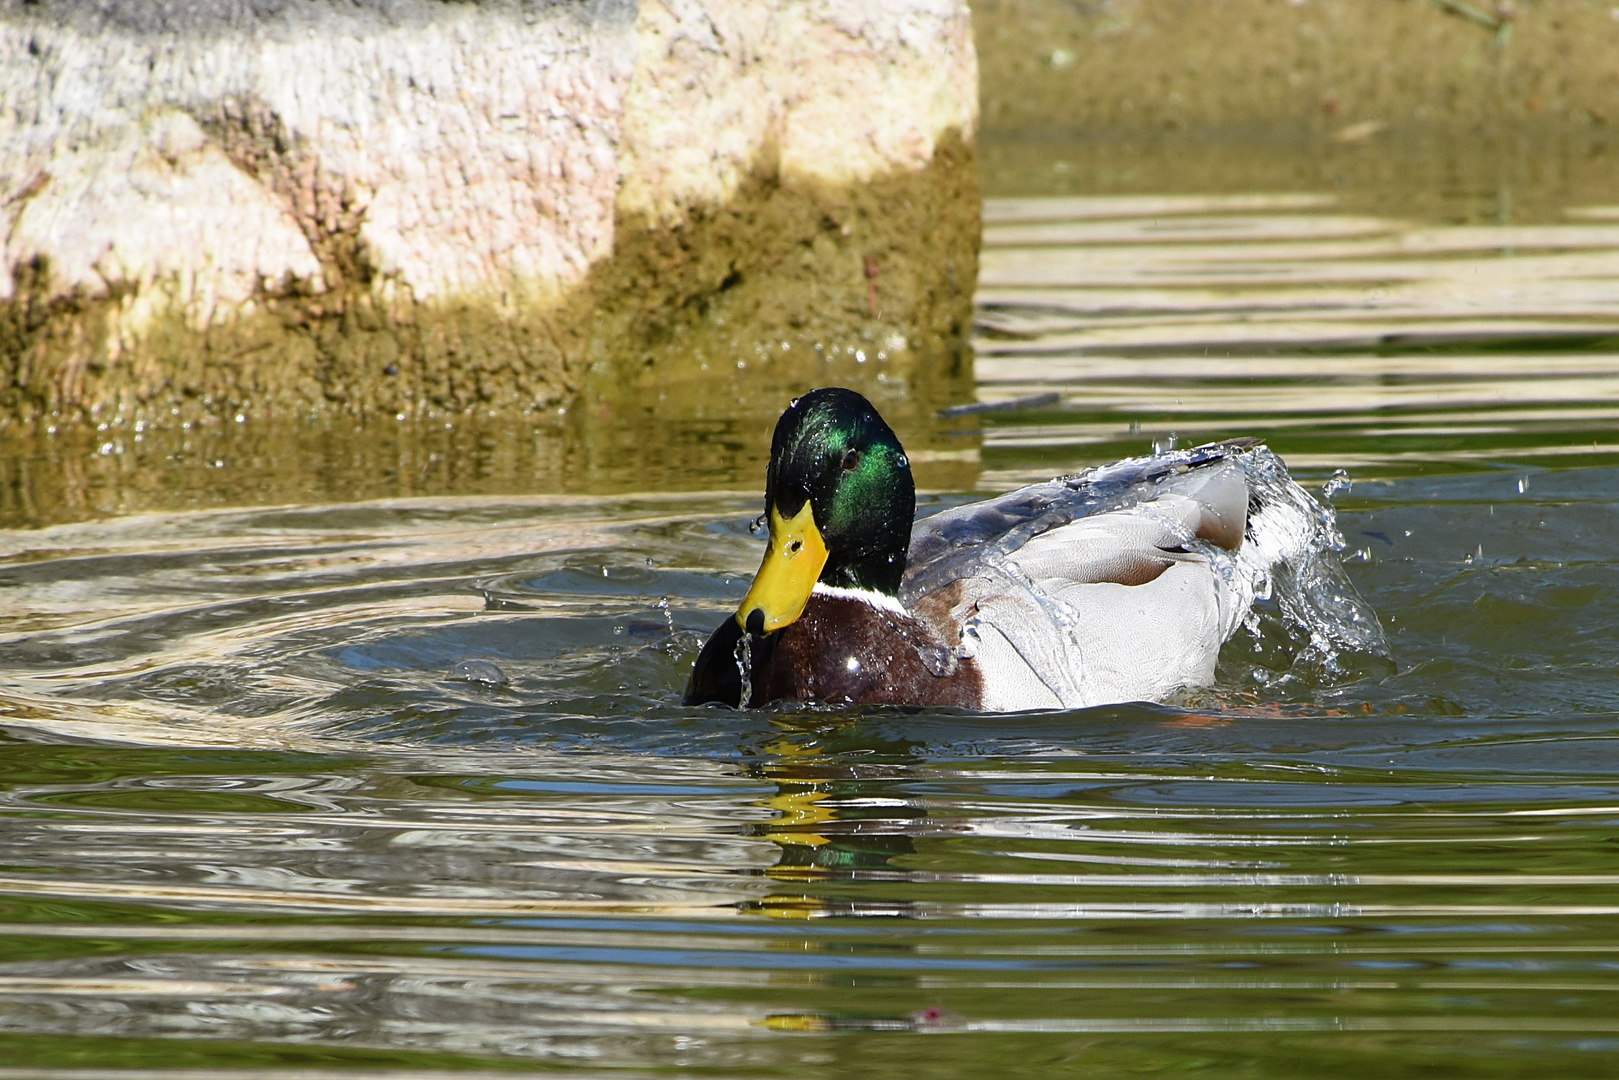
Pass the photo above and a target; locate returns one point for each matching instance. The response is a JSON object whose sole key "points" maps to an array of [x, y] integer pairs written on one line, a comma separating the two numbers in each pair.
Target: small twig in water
{"points": [[1467, 11], [1500, 24]]}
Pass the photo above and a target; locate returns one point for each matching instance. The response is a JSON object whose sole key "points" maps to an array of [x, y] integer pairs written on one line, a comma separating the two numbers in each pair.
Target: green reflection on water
{"points": [[864, 944], [32, 763], [1412, 875], [682, 437], [195, 802], [79, 1052]]}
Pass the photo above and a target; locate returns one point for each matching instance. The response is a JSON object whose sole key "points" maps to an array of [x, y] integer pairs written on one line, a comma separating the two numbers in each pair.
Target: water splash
{"points": [[744, 668], [480, 672], [1310, 601], [1314, 623], [1340, 484]]}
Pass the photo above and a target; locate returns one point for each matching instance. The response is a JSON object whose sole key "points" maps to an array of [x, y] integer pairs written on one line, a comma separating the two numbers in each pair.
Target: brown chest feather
{"points": [[843, 651]]}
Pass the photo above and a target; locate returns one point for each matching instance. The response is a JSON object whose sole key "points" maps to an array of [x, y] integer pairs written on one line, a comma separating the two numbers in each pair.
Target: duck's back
{"points": [[1119, 584]]}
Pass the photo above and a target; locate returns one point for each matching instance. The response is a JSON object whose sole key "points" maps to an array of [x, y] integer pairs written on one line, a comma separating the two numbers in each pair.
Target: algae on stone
{"points": [[399, 207]]}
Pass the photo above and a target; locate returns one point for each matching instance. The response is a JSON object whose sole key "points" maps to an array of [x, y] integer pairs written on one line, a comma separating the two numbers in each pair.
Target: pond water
{"points": [[363, 753]]}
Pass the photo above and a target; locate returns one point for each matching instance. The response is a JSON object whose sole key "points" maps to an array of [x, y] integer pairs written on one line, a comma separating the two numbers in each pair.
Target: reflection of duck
{"points": [[830, 818], [1118, 584]]}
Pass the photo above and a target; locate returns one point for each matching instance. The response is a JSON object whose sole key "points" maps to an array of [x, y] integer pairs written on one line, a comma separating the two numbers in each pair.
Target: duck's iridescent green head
{"points": [[839, 499]]}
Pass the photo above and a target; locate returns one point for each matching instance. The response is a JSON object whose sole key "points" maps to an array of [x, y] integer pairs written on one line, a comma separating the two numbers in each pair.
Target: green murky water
{"points": [[252, 820]]}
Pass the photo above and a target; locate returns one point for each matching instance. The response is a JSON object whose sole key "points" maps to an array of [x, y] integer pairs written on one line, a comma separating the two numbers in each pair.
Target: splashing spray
{"points": [[744, 668]]}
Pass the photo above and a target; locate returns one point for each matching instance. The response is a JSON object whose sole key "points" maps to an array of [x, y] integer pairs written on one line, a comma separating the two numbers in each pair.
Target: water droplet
{"points": [[668, 615], [1164, 445], [481, 672], [1340, 484], [744, 668], [1523, 484], [757, 525]]}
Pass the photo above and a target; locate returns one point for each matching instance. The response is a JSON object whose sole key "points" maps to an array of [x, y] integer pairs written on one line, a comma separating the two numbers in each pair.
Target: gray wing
{"points": [[949, 545]]}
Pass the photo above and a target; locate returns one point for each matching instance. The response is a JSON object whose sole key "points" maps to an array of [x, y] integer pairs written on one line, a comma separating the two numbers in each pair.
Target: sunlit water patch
{"points": [[1349, 341]]}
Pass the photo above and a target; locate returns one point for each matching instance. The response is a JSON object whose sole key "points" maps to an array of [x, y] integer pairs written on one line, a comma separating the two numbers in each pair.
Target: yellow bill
{"points": [[792, 565]]}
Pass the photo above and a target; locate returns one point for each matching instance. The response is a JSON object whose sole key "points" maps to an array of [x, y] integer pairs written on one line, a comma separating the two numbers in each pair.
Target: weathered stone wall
{"points": [[407, 206], [1324, 65]]}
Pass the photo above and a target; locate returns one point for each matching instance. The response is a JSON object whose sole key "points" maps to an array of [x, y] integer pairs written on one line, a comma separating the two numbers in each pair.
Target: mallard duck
{"points": [[1120, 583]]}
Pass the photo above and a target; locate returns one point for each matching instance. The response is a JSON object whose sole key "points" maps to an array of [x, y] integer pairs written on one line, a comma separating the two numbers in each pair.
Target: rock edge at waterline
{"points": [[397, 206]]}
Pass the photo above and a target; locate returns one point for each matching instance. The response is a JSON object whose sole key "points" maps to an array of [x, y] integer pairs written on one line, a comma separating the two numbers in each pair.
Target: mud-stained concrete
{"points": [[410, 209], [790, 274], [779, 275], [1343, 68]]}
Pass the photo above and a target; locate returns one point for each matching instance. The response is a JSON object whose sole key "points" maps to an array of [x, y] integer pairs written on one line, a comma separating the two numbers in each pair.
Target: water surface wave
{"points": [[403, 787]]}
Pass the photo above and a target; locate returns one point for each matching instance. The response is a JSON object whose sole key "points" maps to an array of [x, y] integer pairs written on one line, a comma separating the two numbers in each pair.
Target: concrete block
{"points": [[397, 206]]}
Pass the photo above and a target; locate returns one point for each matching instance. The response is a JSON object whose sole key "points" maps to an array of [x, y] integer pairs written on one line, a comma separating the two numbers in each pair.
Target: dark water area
{"points": [[713, 436], [359, 751]]}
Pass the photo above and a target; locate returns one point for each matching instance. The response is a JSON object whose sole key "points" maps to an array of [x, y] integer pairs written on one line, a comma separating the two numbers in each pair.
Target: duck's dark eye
{"points": [[851, 460]]}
